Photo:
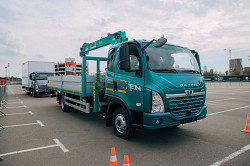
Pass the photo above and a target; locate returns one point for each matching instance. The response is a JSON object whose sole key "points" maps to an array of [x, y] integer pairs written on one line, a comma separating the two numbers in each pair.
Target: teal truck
{"points": [[147, 85]]}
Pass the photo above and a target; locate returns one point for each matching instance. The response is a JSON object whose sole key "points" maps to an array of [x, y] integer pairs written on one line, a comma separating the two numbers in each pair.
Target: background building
{"points": [[204, 69], [235, 65], [70, 66], [63, 68], [246, 68]]}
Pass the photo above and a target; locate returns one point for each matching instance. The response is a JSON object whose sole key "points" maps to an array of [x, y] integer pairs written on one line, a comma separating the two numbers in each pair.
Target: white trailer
{"points": [[34, 67]]}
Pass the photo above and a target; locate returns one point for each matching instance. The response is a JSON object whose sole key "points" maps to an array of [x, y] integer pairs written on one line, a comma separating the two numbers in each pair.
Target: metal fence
{"points": [[3, 96], [241, 85], [240, 78]]}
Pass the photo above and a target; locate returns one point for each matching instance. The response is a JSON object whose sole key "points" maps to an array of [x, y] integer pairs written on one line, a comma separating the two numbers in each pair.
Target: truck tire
{"points": [[122, 124], [64, 107], [34, 94]]}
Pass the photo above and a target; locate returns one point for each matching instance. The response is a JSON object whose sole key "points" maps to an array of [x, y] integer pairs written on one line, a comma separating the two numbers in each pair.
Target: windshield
{"points": [[44, 76], [42, 82], [171, 59]]}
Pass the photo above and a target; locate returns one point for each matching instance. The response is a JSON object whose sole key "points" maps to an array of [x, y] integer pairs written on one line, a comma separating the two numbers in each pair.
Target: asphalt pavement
{"points": [[38, 133]]}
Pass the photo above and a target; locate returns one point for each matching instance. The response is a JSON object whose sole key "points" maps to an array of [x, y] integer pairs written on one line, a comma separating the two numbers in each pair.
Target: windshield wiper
{"points": [[165, 70], [192, 71]]}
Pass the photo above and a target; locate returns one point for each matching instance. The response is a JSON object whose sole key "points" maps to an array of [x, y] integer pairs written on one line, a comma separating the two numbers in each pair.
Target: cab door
{"points": [[128, 84], [110, 72]]}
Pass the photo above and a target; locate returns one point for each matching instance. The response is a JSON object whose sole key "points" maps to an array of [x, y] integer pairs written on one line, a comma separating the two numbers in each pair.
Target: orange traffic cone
{"points": [[247, 128], [126, 161], [241, 88], [113, 159]]}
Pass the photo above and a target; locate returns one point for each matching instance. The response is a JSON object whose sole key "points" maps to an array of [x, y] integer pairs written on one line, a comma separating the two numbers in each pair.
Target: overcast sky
{"points": [[51, 30]]}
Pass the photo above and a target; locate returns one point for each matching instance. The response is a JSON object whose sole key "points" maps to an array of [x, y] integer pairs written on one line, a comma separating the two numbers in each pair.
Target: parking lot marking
{"points": [[226, 105], [58, 144], [229, 93], [231, 156], [228, 110], [61, 145], [13, 97], [23, 106], [10, 90], [21, 113], [38, 122], [220, 100], [15, 102], [28, 150]]}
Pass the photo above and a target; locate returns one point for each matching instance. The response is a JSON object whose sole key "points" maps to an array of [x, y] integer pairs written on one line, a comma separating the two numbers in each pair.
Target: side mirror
{"points": [[31, 76], [123, 60], [160, 42]]}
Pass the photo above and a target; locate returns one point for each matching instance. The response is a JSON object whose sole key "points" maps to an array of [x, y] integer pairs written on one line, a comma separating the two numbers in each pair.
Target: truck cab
{"points": [[39, 83], [156, 87]]}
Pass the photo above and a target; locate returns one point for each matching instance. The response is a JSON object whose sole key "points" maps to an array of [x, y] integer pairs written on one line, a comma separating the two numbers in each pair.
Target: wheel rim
{"points": [[120, 123]]}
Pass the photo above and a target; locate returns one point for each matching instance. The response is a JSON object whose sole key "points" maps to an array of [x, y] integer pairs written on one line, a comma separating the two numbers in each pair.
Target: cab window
{"points": [[134, 62], [111, 60], [134, 57]]}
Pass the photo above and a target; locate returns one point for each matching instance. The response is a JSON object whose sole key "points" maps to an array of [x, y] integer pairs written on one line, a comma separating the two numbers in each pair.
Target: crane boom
{"points": [[117, 37]]}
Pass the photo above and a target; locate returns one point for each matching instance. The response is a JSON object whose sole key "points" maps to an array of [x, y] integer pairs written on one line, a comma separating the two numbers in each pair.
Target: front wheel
{"points": [[34, 94], [122, 124]]}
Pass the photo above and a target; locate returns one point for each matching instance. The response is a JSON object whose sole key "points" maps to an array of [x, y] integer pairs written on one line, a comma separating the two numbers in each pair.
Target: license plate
{"points": [[188, 120]]}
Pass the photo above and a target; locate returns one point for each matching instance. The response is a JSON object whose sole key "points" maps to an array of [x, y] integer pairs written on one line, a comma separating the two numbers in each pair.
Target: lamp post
{"points": [[229, 51], [5, 72], [9, 72]]}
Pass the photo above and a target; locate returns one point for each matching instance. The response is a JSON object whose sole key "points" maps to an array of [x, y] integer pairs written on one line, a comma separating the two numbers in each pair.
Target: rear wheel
{"points": [[122, 124], [64, 107]]}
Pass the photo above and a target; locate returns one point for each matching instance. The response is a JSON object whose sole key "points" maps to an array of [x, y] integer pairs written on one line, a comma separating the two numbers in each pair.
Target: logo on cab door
{"points": [[134, 87], [127, 86]]}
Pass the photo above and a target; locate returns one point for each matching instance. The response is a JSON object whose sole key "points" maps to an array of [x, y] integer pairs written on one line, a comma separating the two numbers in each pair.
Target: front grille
{"points": [[43, 86], [182, 107]]}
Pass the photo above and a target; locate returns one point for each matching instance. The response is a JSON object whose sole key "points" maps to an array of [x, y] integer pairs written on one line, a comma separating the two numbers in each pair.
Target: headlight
{"points": [[205, 98], [157, 103], [37, 86]]}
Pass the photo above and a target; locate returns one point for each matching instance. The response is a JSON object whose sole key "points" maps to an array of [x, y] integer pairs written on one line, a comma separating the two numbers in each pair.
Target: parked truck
{"points": [[35, 77], [147, 85]]}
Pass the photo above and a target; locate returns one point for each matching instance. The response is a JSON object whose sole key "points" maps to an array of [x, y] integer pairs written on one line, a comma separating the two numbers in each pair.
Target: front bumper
{"points": [[44, 91], [161, 120]]}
